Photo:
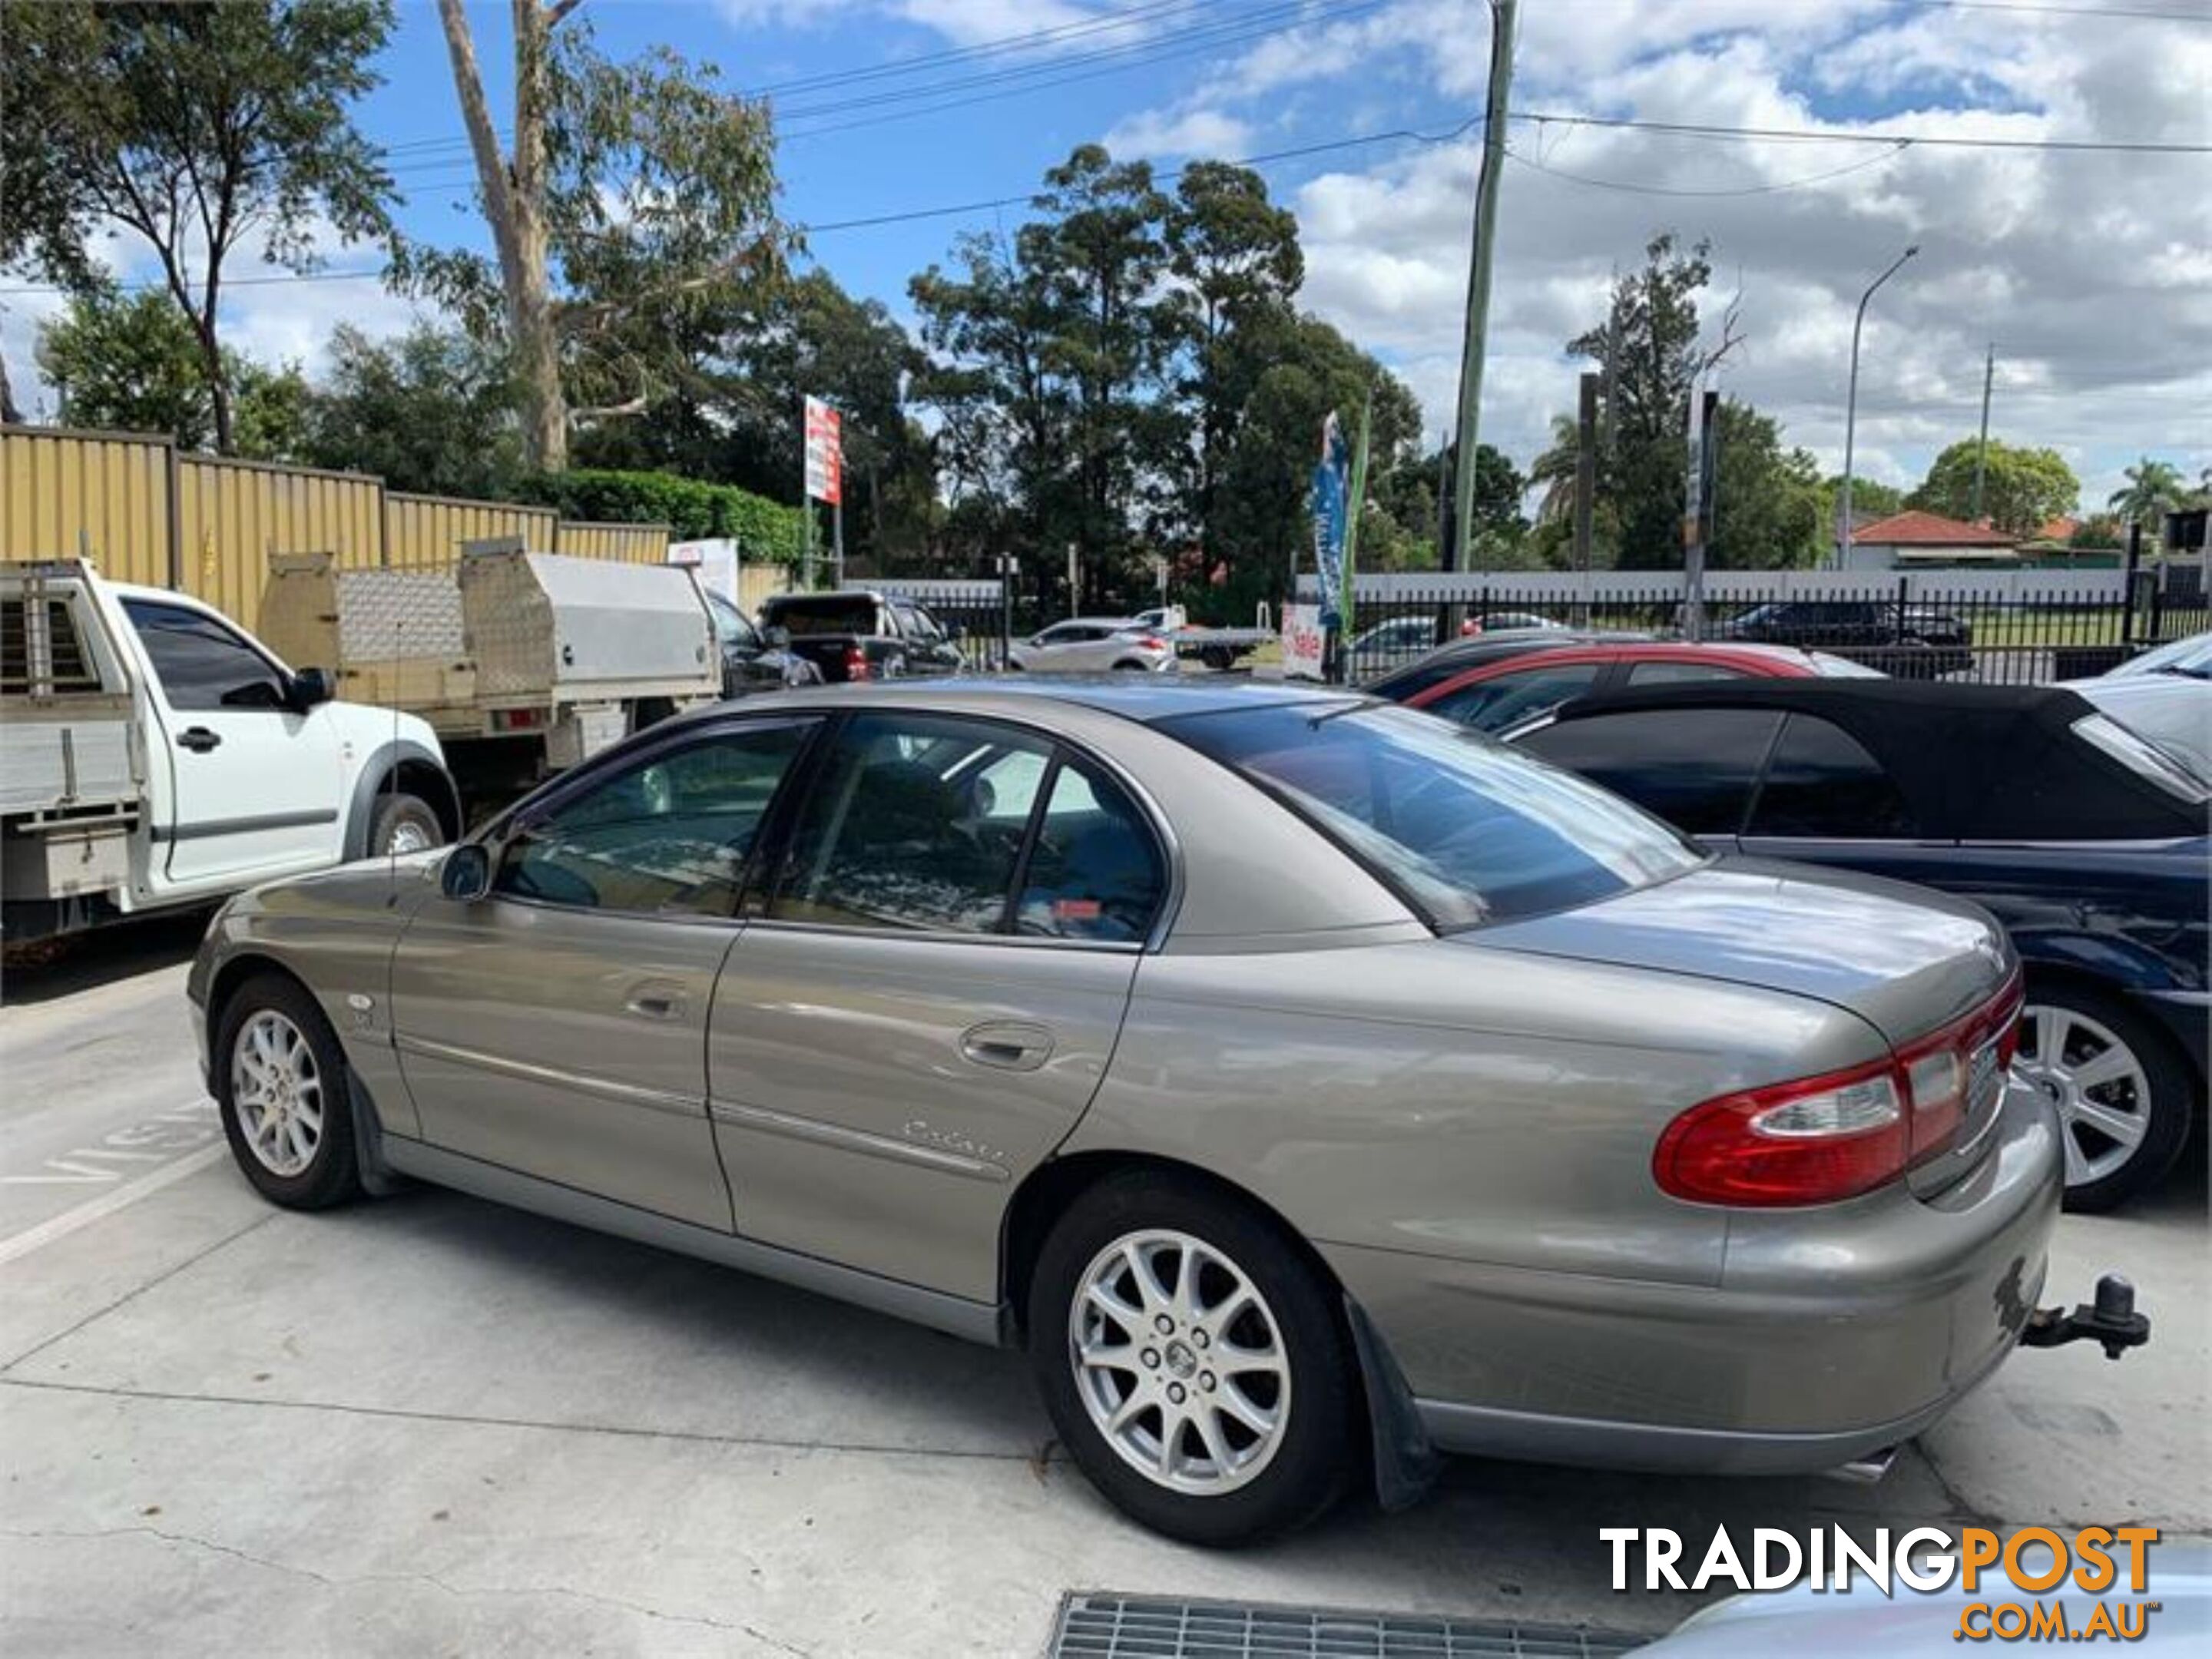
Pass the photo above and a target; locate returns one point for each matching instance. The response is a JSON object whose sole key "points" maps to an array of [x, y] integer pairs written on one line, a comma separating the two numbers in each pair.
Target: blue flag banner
{"points": [[1329, 498]]}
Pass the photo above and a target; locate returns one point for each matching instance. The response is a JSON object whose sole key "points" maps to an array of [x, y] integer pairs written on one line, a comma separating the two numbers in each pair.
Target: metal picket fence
{"points": [[2015, 627]]}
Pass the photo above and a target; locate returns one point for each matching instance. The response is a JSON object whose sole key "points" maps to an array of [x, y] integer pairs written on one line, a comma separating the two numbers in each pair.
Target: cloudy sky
{"points": [[2090, 272]]}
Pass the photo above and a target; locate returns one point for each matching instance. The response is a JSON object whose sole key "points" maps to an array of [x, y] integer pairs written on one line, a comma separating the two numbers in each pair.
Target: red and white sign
{"points": [[1304, 641], [825, 453]]}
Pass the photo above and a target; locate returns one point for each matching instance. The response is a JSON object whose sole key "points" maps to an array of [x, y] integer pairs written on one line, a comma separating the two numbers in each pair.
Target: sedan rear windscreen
{"points": [[1467, 831]]}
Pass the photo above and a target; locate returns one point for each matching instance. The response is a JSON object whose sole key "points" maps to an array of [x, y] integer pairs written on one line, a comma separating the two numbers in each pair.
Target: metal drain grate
{"points": [[1105, 1626]]}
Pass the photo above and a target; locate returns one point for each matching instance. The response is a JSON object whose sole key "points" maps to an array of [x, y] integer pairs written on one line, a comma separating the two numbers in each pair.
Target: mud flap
{"points": [[378, 1178], [1405, 1463]]}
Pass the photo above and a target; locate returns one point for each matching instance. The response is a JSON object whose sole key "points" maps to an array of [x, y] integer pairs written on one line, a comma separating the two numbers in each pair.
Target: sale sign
{"points": [[825, 453]]}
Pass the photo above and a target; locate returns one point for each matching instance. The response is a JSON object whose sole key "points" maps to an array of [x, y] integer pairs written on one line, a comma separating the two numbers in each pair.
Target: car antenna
{"points": [[392, 843]]}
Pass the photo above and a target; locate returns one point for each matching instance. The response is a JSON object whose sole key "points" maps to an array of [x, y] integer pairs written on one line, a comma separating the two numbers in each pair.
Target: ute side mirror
{"points": [[466, 875], [777, 635], [309, 686]]}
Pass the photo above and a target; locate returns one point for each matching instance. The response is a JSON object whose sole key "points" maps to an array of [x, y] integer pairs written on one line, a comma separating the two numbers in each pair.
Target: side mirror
{"points": [[309, 687], [777, 637], [467, 873]]}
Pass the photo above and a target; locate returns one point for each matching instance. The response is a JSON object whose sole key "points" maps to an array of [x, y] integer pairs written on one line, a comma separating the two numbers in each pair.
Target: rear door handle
{"points": [[198, 738], [1008, 1045]]}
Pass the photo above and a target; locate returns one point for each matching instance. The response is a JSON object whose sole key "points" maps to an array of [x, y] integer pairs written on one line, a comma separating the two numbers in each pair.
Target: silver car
{"points": [[1306, 1085], [1091, 644]]}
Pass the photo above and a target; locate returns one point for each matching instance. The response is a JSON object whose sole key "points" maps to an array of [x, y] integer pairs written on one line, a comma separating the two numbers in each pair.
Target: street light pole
{"points": [[1851, 412]]}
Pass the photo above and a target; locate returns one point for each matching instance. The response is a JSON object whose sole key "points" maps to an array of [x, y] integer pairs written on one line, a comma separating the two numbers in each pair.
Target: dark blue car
{"points": [[2087, 842]]}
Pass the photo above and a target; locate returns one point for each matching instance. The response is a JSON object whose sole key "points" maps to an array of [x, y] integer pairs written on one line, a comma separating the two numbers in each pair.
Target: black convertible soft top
{"points": [[1976, 763]]}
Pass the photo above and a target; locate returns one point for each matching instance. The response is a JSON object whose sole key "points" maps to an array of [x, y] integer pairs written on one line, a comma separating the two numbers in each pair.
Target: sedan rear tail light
{"points": [[856, 663], [1824, 1139]]}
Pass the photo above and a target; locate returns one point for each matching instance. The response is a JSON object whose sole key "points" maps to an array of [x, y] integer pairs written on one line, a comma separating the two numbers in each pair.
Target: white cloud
{"points": [[963, 22], [1202, 133]]}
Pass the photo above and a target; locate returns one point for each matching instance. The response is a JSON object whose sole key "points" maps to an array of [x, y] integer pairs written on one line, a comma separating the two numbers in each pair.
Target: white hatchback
{"points": [[1089, 644]]}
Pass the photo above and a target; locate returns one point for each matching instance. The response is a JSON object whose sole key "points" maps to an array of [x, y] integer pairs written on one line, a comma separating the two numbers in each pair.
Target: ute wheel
{"points": [[403, 823], [2123, 1095], [1192, 1361], [1129, 665], [1219, 658], [280, 1080]]}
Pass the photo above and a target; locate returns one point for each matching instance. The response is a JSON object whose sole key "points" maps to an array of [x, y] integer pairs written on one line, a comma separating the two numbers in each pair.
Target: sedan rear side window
{"points": [[1094, 871], [1467, 831], [1693, 767]]}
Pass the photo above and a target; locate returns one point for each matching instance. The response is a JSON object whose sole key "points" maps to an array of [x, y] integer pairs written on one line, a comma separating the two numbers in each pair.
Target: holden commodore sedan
{"points": [[1307, 1085]]}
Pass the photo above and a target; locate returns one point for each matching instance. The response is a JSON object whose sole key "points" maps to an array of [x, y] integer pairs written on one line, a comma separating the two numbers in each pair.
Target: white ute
{"points": [[154, 755]]}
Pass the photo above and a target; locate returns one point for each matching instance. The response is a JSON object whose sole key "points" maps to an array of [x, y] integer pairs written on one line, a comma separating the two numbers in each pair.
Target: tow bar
{"points": [[2112, 1320]]}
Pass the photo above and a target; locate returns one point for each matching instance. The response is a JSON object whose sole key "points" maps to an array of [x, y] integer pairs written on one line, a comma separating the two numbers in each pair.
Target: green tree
{"points": [[428, 411], [2153, 489], [1650, 349], [132, 363], [2099, 530], [200, 129], [1868, 497], [2022, 488], [1769, 503], [648, 187]]}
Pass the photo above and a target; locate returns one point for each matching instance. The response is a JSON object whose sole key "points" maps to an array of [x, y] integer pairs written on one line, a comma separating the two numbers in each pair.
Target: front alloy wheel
{"points": [[277, 1091], [282, 1085]]}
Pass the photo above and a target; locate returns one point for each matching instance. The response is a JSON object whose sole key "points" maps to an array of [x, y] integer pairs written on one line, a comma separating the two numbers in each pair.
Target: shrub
{"points": [[766, 531]]}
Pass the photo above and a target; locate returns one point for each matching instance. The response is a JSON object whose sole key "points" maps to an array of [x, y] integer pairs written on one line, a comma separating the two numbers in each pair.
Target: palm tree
{"points": [[1555, 469], [2154, 488]]}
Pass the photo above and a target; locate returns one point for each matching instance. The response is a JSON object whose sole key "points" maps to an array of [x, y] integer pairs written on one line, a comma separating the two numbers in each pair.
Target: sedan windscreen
{"points": [[1467, 831]]}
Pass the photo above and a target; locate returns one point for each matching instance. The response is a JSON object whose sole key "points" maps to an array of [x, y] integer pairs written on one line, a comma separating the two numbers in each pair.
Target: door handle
{"points": [[1008, 1045], [198, 738], [658, 1003]]}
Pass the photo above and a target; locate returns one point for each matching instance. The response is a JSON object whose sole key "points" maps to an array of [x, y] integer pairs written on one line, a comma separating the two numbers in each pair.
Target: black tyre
{"points": [[1219, 658], [280, 1080], [403, 823], [1128, 665], [1193, 1361], [2125, 1094]]}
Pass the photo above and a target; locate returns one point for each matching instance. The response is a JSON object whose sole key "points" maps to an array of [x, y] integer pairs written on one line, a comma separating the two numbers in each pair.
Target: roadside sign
{"points": [[1305, 643], [825, 453]]}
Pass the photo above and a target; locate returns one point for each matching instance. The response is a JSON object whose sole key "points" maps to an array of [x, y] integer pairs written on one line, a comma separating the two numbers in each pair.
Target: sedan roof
{"points": [[1975, 762]]}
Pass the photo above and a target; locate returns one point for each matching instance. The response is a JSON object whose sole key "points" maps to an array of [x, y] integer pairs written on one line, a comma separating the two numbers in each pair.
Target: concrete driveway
{"points": [[429, 1425]]}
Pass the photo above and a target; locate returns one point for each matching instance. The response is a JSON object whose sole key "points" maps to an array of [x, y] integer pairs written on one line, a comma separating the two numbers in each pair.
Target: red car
{"points": [[1506, 691]]}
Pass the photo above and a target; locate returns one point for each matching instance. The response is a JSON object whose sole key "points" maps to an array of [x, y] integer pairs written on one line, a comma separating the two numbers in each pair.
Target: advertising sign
{"points": [[825, 453], [1328, 517], [1303, 639]]}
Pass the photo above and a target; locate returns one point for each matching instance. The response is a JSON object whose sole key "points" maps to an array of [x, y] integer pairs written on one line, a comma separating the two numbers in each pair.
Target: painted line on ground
{"points": [[99, 1209]]}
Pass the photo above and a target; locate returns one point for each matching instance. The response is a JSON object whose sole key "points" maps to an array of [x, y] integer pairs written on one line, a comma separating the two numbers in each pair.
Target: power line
{"points": [[1895, 141], [1898, 148]]}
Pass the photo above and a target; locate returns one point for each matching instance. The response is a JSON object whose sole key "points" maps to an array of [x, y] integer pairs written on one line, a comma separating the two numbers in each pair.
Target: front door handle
{"points": [[1007, 1045], [658, 1002], [198, 738]]}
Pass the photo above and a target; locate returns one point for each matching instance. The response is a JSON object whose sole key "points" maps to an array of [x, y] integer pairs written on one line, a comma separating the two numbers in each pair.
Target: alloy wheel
{"points": [[277, 1092], [406, 836], [1180, 1362], [2096, 1082]]}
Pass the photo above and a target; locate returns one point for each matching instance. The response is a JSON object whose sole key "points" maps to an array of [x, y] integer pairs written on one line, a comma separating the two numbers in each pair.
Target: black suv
{"points": [[1909, 641]]}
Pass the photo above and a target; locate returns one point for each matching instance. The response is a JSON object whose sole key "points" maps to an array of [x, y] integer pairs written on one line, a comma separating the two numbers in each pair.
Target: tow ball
{"points": [[2111, 1320]]}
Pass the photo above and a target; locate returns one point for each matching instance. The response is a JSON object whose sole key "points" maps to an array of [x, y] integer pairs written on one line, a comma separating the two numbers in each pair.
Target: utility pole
{"points": [[1503, 15], [1982, 448], [1585, 471], [1697, 508]]}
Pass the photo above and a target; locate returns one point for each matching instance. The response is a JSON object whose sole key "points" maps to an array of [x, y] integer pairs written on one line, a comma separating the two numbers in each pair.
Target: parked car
{"points": [[750, 662], [1088, 645], [1912, 641], [1447, 661], [1305, 1084], [1390, 644], [1504, 621], [2172, 709], [1508, 691], [158, 755], [857, 634], [2088, 844], [2192, 656]]}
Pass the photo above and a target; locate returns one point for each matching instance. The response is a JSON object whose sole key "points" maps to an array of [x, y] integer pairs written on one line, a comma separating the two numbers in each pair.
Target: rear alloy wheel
{"points": [[1191, 1361], [2121, 1094]]}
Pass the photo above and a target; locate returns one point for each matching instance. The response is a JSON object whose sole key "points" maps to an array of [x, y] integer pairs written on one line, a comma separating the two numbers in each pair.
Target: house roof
{"points": [[2059, 529], [1917, 529]]}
